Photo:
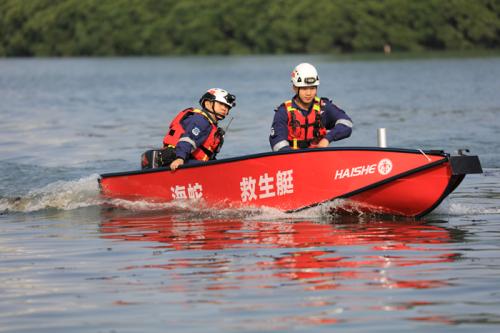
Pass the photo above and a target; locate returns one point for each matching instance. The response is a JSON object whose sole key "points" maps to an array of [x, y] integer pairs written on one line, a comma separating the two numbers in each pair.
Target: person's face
{"points": [[306, 94], [221, 109]]}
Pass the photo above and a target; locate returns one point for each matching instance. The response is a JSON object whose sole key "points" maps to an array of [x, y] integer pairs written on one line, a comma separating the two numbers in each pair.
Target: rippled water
{"points": [[70, 262]]}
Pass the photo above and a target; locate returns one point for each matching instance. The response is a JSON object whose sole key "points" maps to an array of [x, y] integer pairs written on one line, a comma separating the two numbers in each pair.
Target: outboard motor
{"points": [[157, 158]]}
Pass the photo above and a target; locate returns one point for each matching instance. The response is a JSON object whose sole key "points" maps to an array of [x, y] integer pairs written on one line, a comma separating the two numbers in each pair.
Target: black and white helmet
{"points": [[219, 95]]}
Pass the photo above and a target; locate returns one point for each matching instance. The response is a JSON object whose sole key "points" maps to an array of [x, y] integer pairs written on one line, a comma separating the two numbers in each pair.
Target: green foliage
{"points": [[166, 27]]}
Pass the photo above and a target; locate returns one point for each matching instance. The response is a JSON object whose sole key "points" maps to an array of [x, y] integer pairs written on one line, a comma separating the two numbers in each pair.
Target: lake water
{"points": [[71, 263]]}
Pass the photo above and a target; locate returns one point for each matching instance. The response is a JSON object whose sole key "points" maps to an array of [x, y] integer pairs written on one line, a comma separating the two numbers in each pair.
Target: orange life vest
{"points": [[208, 149], [304, 131]]}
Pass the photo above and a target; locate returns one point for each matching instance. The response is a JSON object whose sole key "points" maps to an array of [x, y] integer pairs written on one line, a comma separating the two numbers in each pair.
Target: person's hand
{"points": [[176, 163], [323, 143]]}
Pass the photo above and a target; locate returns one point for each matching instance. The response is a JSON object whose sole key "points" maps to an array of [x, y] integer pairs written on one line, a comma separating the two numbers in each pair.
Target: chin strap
{"points": [[217, 115], [212, 114]]}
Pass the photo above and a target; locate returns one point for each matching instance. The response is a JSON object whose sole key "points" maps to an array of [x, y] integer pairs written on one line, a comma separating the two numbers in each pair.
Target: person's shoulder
{"points": [[325, 101], [328, 103], [281, 107], [199, 119]]}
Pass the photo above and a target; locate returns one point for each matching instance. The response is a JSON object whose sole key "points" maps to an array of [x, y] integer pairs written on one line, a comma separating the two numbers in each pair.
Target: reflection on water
{"points": [[315, 255], [217, 271]]}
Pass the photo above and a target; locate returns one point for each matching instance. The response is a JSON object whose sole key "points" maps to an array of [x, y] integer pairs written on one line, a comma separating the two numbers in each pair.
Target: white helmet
{"points": [[219, 95], [305, 75]]}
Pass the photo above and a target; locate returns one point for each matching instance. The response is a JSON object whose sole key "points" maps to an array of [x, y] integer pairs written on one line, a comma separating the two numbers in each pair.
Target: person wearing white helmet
{"points": [[306, 120], [193, 134]]}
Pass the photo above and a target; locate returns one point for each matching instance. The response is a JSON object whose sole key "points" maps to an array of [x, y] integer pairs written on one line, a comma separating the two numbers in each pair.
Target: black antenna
{"points": [[229, 123]]}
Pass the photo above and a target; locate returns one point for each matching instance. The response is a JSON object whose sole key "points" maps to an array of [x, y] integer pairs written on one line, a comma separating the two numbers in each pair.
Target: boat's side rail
{"points": [[266, 154]]}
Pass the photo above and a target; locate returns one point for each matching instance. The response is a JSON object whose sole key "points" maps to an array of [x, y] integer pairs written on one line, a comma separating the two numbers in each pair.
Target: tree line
{"points": [[178, 27]]}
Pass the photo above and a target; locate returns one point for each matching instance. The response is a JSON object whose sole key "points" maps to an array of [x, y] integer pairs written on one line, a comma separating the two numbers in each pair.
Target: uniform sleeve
{"points": [[336, 121], [279, 130], [197, 128]]}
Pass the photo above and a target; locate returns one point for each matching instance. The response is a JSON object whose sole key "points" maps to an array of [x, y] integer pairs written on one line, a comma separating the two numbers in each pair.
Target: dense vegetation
{"points": [[163, 27]]}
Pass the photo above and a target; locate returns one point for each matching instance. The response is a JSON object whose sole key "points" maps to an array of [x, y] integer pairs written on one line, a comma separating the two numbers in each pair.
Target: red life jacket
{"points": [[305, 131], [208, 149]]}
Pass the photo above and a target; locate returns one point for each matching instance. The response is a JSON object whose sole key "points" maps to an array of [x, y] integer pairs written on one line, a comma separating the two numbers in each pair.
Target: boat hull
{"points": [[380, 180]]}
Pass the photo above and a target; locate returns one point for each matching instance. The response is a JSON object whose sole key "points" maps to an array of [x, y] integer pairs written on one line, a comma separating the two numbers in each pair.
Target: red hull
{"points": [[390, 181]]}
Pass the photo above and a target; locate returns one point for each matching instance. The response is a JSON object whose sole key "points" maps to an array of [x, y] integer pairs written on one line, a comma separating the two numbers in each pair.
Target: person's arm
{"points": [[197, 128], [176, 163], [279, 130], [337, 122]]}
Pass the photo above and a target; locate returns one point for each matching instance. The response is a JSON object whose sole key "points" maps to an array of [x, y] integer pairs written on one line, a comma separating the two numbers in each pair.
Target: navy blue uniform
{"points": [[335, 120], [197, 128]]}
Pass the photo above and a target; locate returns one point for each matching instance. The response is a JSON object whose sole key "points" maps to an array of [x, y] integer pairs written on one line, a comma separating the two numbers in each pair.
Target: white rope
{"points": [[427, 157]]}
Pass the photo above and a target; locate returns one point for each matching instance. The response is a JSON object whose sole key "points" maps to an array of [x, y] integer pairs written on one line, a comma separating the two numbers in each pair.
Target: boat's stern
{"points": [[465, 164]]}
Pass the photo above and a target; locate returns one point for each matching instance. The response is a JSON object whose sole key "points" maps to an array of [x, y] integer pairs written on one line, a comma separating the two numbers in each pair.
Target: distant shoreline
{"points": [[353, 56], [67, 28]]}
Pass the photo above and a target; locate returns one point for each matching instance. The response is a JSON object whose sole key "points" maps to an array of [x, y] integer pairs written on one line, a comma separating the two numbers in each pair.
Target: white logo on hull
{"points": [[269, 186], [384, 167], [193, 191]]}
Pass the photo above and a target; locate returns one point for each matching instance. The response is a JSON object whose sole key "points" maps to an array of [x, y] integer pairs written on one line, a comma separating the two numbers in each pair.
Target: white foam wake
{"points": [[457, 207], [64, 195], [84, 192]]}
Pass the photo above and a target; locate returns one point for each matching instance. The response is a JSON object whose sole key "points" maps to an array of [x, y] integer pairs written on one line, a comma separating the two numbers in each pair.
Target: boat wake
{"points": [[62, 195], [84, 192], [459, 209]]}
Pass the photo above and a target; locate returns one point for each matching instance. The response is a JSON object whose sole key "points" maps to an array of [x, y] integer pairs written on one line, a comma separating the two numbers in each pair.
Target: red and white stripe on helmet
{"points": [[219, 95]]}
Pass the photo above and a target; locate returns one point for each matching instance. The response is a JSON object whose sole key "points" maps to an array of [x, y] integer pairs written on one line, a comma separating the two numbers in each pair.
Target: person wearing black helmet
{"points": [[193, 134]]}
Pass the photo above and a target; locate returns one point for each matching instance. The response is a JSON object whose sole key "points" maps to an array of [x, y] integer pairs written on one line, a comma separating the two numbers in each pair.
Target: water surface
{"points": [[71, 263]]}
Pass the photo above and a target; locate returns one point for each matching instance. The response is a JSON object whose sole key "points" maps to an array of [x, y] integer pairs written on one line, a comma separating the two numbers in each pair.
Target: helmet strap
{"points": [[219, 116], [211, 113]]}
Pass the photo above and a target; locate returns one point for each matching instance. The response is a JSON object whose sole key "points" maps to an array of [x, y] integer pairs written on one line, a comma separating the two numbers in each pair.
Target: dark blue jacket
{"points": [[335, 120], [197, 128]]}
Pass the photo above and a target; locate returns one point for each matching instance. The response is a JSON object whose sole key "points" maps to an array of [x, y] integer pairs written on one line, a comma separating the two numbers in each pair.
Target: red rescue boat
{"points": [[392, 181]]}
